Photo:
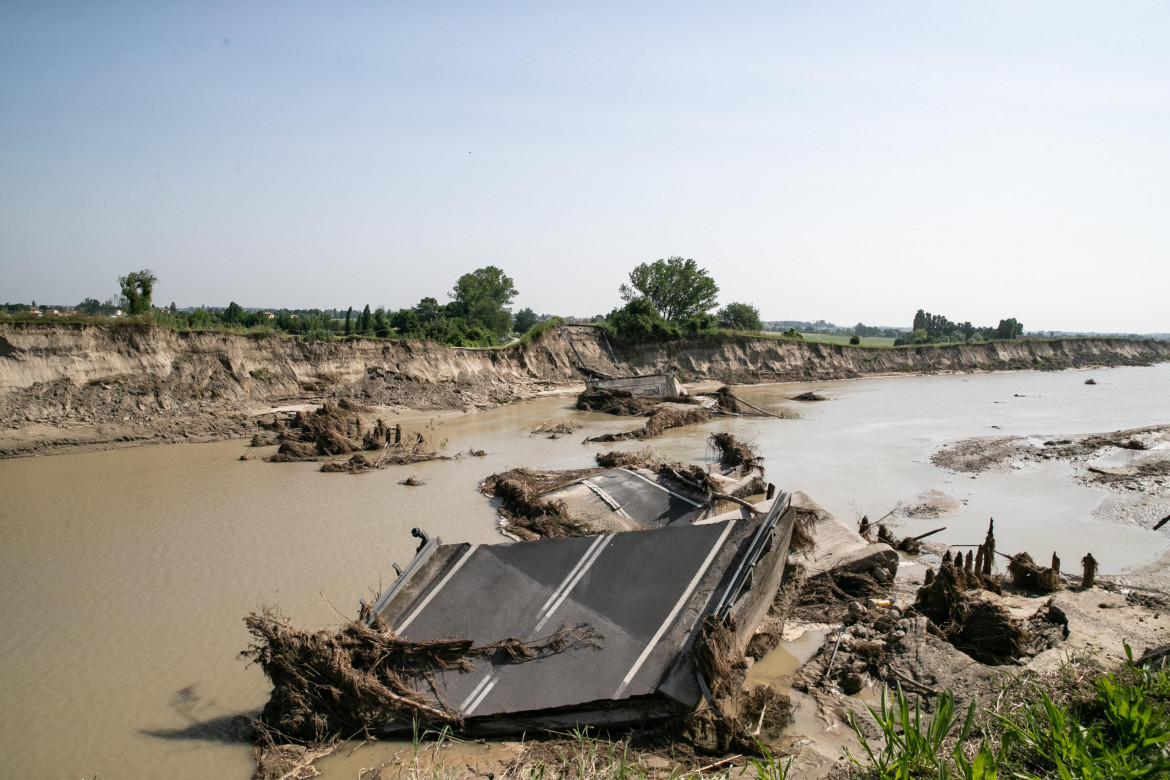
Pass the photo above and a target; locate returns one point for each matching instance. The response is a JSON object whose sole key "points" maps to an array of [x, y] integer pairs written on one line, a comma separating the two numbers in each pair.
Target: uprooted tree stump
{"points": [[1024, 573], [982, 629]]}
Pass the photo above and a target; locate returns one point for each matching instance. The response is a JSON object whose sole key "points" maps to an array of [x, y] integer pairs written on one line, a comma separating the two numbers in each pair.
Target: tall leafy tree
{"points": [[677, 289], [483, 297], [137, 287], [524, 320], [740, 316]]}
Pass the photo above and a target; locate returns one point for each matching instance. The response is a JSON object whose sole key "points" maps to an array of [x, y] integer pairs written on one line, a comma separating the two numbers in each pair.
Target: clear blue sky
{"points": [[851, 161]]}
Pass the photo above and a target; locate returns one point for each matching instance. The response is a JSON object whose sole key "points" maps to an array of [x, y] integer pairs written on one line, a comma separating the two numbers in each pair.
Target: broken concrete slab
{"points": [[839, 546], [646, 593]]}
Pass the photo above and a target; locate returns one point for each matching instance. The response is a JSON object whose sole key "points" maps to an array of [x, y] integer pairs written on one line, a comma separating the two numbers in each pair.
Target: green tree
{"points": [[233, 314], [1009, 329], [428, 310], [137, 287], [90, 307], [524, 320], [676, 288], [483, 297], [349, 321], [638, 320], [381, 324], [740, 316], [365, 322], [405, 321]]}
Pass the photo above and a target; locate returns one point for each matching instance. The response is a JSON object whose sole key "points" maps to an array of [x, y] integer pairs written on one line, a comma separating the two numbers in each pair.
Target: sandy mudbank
{"points": [[1135, 460]]}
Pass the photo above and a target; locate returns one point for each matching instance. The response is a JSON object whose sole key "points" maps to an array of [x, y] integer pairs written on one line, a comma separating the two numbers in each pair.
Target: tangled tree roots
{"points": [[766, 710], [827, 595], [664, 418], [333, 685], [725, 401], [712, 651], [980, 628], [525, 510], [1025, 573], [802, 530], [733, 452]]}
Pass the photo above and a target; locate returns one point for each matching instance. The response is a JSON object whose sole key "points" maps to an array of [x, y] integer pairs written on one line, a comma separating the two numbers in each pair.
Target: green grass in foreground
{"points": [[1084, 724], [1121, 731]]}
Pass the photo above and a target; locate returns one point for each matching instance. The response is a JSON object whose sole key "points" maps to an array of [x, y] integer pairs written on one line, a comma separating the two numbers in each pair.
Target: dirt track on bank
{"points": [[65, 387]]}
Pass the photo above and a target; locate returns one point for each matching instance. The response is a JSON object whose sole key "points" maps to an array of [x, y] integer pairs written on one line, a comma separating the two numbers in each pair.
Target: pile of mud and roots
{"points": [[351, 682], [334, 430], [887, 640]]}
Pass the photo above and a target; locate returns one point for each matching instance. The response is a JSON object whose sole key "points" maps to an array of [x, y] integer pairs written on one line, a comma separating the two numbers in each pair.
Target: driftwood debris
{"points": [[664, 418], [331, 685]]}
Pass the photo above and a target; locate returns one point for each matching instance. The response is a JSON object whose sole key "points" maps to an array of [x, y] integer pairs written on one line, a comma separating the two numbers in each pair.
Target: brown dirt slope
{"points": [[64, 384]]}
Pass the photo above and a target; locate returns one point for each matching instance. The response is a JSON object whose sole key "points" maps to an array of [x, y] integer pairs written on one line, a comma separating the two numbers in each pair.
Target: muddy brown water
{"points": [[126, 574]]}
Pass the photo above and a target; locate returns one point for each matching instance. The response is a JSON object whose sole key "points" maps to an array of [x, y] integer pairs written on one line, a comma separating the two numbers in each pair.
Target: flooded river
{"points": [[126, 574]]}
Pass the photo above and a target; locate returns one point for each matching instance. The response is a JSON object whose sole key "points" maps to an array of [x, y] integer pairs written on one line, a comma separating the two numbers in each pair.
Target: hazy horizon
{"points": [[838, 161]]}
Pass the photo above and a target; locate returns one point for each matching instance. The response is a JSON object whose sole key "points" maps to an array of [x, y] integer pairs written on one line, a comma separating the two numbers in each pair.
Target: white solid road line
{"points": [[583, 566], [674, 612], [572, 573], [410, 618], [679, 496], [476, 691]]}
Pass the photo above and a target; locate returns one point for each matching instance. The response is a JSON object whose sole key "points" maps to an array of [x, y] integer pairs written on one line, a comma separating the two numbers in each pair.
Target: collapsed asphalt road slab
{"points": [[645, 593]]}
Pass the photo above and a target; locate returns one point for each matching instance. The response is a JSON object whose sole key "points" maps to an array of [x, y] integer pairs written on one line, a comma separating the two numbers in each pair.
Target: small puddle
{"points": [[777, 666], [776, 669]]}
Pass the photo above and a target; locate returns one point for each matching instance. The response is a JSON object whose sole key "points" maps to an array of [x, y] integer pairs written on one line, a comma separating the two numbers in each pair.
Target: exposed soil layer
{"points": [[69, 386]]}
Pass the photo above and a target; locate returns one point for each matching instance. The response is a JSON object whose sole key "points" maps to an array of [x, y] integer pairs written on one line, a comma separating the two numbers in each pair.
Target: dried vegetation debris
{"points": [[331, 685], [528, 512], [626, 404], [662, 419], [525, 508]]}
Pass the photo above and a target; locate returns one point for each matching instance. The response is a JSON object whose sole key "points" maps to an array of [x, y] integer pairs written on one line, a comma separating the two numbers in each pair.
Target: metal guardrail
{"points": [[421, 556], [755, 550]]}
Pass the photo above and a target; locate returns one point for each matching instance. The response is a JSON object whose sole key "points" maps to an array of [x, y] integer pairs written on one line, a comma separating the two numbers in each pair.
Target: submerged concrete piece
{"points": [[644, 498], [645, 592], [653, 385]]}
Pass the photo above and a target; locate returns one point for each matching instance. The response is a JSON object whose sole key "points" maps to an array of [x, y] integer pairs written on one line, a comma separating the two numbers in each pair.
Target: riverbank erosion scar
{"points": [[64, 385]]}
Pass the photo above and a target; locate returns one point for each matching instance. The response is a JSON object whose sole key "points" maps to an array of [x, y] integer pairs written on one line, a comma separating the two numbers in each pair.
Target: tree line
{"points": [[935, 328], [664, 300]]}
